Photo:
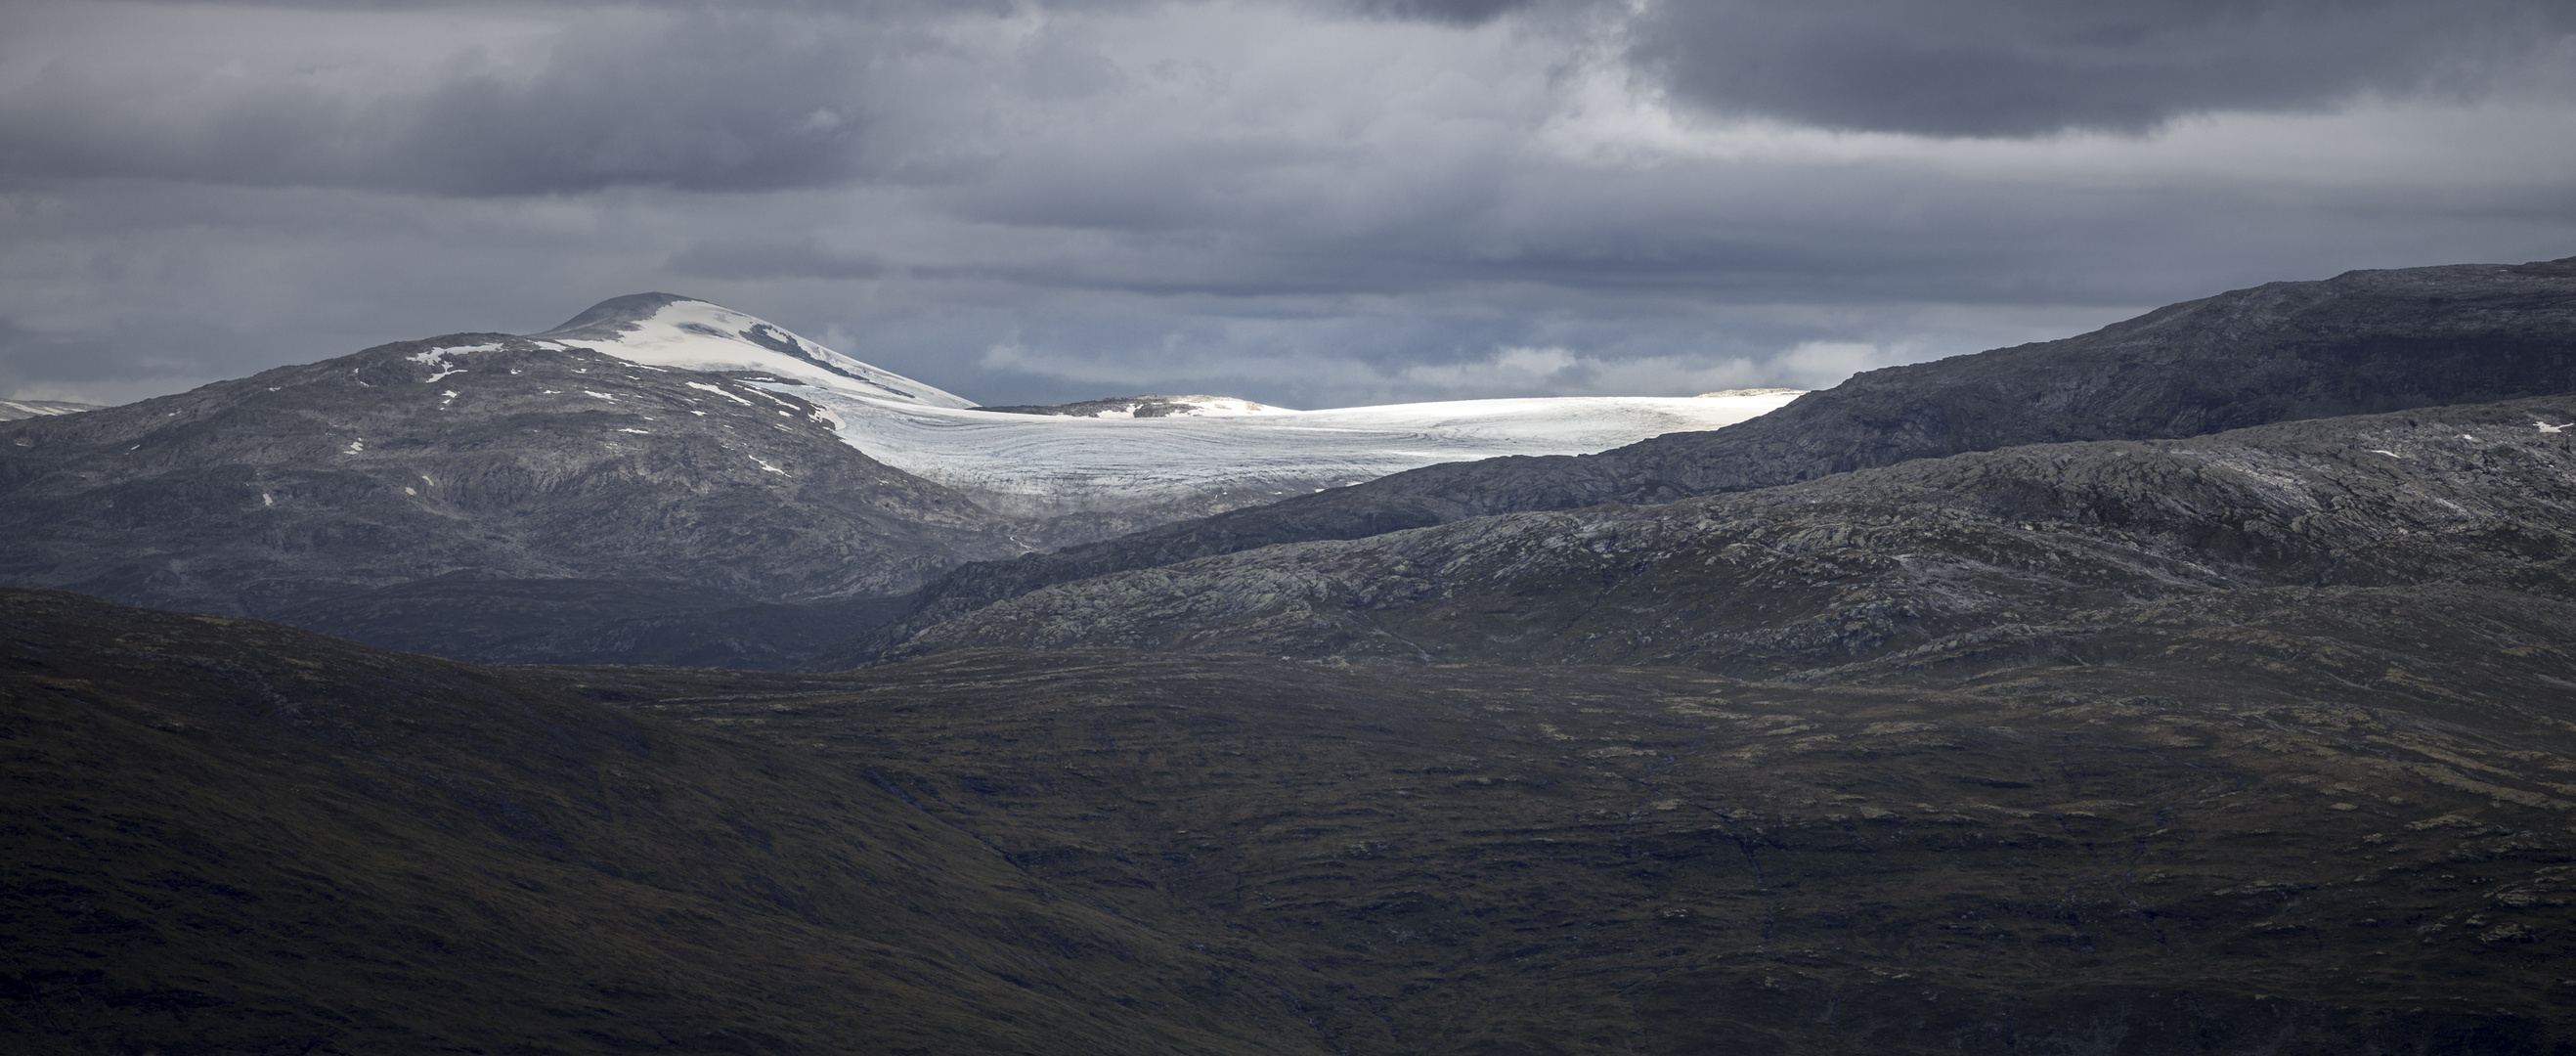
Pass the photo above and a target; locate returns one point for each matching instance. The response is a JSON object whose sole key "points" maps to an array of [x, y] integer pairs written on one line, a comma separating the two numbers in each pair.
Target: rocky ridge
{"points": [[2022, 551], [2368, 341]]}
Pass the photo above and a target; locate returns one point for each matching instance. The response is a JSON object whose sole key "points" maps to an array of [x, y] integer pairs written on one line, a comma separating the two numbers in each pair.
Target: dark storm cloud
{"points": [[703, 101], [799, 258], [2030, 67], [1453, 12], [37, 357], [1304, 202]]}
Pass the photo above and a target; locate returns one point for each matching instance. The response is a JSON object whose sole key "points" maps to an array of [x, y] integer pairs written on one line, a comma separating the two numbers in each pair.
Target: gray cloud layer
{"points": [[1303, 201], [2027, 67]]}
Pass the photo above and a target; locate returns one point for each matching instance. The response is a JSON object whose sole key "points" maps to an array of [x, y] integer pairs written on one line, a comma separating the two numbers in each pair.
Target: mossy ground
{"points": [[226, 836]]}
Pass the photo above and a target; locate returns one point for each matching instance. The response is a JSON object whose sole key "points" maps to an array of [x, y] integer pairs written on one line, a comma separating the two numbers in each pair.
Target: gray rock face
{"points": [[2368, 341], [503, 458], [1933, 561]]}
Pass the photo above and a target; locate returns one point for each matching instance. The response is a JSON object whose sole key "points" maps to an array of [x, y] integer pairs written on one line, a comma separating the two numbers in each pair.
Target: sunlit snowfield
{"points": [[1230, 454], [1115, 463]]}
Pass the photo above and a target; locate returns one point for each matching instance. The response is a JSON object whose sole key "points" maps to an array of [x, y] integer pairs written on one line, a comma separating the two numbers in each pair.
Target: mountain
{"points": [[668, 330], [2044, 550], [2258, 740], [2366, 341], [1076, 473], [660, 479], [235, 837], [493, 457]]}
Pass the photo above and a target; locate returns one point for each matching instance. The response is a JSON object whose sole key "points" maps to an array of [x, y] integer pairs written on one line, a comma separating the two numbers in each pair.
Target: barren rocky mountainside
{"points": [[501, 515], [2030, 549], [2363, 342], [288, 493]]}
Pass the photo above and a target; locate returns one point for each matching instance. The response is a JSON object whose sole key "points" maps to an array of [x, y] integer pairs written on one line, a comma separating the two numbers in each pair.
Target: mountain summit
{"points": [[668, 330]]}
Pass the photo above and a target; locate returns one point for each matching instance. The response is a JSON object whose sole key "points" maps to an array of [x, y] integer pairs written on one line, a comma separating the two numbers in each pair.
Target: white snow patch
{"points": [[2383, 451], [698, 335], [436, 359], [637, 432], [44, 409], [355, 446], [432, 356], [266, 499], [599, 395], [2548, 428], [718, 390], [764, 465]]}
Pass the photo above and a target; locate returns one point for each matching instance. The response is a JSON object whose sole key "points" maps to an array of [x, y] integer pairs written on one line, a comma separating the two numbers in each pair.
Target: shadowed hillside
{"points": [[2363, 342], [228, 836]]}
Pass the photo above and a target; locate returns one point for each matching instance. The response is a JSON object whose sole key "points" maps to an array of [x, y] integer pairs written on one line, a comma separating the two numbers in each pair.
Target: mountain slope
{"points": [[233, 837], [668, 330], [2361, 342], [2057, 543], [649, 482], [236, 837], [508, 457]]}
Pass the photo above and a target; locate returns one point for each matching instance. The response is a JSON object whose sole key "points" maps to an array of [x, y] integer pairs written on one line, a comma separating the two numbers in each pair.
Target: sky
{"points": [[1310, 203]]}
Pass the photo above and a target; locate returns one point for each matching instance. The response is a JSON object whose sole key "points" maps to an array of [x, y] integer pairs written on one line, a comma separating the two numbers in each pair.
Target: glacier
{"points": [[1220, 453]]}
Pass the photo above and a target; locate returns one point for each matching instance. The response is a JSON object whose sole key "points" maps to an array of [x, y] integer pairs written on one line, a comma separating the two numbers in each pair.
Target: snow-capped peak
{"points": [[667, 330]]}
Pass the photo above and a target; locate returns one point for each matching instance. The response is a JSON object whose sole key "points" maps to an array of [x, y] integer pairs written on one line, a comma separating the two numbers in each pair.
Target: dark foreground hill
{"points": [[227, 836], [2363, 342]]}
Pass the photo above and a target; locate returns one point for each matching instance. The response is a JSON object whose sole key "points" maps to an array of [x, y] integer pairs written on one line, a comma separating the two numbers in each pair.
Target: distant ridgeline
{"points": [[2363, 342], [660, 480]]}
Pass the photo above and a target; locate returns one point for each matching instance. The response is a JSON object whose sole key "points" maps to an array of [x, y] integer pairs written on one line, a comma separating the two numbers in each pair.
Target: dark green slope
{"points": [[226, 836], [1601, 860], [2362, 342]]}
